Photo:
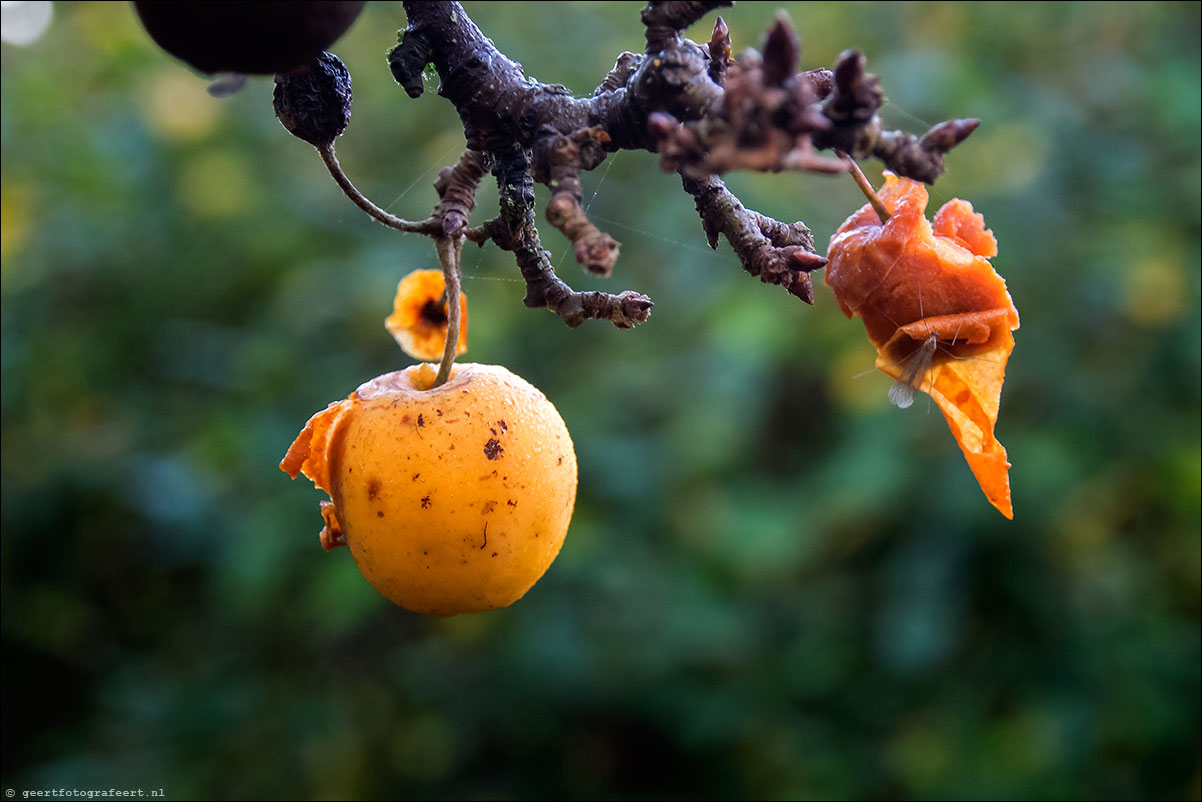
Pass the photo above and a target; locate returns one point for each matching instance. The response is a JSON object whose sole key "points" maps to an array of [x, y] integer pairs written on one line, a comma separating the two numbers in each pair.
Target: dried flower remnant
{"points": [[939, 314], [419, 315]]}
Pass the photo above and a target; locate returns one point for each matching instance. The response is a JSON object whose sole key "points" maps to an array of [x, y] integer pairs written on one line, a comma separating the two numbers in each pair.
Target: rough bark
{"points": [[703, 112]]}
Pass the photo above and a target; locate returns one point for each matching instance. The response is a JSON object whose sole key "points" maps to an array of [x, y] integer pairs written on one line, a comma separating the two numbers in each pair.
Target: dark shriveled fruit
{"points": [[246, 37], [314, 103]]}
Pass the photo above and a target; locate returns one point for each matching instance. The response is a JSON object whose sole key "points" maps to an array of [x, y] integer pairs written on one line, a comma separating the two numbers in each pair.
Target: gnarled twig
{"points": [[703, 112]]}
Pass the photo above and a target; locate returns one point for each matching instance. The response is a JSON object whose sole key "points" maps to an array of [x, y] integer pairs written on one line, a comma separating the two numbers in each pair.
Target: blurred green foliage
{"points": [[775, 585]]}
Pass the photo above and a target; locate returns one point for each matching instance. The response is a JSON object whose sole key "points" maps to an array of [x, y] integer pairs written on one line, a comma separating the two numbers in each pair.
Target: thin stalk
{"points": [[375, 212], [865, 187], [449, 251]]}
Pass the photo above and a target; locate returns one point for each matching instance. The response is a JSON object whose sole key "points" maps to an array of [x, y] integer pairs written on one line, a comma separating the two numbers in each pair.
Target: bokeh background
{"points": [[775, 585]]}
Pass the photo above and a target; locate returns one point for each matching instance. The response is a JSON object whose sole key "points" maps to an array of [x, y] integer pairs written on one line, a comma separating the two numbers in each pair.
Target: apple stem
{"points": [[449, 251], [864, 185], [428, 226]]}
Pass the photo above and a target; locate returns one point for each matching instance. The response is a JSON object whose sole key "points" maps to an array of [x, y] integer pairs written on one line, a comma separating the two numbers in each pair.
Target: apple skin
{"points": [[253, 37], [453, 499]]}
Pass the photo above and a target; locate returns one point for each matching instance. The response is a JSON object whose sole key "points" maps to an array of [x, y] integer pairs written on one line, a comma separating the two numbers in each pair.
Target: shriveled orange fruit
{"points": [[452, 500], [939, 314]]}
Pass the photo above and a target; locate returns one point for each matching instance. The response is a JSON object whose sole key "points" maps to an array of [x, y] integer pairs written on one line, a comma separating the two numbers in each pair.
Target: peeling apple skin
{"points": [[917, 284]]}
